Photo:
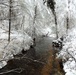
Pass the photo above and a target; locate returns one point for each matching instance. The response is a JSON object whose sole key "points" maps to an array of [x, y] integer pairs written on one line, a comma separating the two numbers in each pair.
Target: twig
{"points": [[19, 58], [71, 56], [4, 4], [13, 70]]}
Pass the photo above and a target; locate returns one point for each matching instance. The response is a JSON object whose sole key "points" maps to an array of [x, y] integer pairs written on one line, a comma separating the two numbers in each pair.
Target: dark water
{"points": [[44, 45], [28, 65]]}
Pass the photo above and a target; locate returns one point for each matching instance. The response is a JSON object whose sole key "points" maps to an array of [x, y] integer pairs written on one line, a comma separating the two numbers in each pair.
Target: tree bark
{"points": [[10, 6]]}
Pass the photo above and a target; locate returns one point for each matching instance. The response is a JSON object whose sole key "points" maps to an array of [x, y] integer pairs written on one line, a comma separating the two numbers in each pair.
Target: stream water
{"points": [[44, 45]]}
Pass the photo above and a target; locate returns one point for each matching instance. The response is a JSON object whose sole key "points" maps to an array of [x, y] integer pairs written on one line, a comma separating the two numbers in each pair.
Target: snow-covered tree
{"points": [[12, 37], [68, 53], [23, 20], [27, 20]]}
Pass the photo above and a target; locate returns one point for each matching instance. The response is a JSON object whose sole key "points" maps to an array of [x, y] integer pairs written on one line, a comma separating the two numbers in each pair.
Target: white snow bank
{"points": [[17, 42], [68, 53]]}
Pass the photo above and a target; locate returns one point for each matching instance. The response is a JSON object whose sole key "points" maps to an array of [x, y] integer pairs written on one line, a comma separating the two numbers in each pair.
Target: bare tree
{"points": [[51, 5], [10, 7], [67, 21], [11, 15], [34, 29]]}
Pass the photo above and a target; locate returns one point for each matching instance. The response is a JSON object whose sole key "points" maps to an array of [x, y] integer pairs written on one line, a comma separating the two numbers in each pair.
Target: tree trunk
{"points": [[10, 3]]}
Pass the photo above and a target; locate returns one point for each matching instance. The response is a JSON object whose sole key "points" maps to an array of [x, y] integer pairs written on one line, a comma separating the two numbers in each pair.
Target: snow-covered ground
{"points": [[17, 42], [68, 53]]}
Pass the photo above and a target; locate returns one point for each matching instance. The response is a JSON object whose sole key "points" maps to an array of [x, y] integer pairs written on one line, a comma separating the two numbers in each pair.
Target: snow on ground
{"points": [[68, 53], [69, 68], [17, 42]]}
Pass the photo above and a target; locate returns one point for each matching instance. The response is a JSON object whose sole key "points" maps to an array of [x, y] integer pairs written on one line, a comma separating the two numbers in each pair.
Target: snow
{"points": [[70, 71], [22, 27], [67, 9], [43, 21], [68, 52], [17, 42]]}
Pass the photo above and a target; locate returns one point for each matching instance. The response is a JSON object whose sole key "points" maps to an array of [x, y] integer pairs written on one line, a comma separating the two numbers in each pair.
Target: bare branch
{"points": [[19, 58], [17, 70], [71, 56], [4, 4]]}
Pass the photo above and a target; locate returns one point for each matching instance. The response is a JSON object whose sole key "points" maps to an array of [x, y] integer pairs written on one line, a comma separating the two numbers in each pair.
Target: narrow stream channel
{"points": [[30, 67]]}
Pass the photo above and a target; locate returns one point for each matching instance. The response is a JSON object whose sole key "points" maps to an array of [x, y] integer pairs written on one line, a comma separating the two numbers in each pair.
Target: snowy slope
{"points": [[68, 53]]}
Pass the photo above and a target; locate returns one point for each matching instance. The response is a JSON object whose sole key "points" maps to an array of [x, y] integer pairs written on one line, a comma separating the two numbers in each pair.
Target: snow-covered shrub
{"points": [[68, 52], [57, 44], [17, 42]]}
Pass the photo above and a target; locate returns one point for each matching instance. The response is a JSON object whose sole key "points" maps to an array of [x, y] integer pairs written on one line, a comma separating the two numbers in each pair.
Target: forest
{"points": [[37, 37]]}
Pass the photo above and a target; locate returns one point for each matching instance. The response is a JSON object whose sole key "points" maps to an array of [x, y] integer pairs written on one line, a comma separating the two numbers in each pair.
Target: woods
{"points": [[37, 37]]}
